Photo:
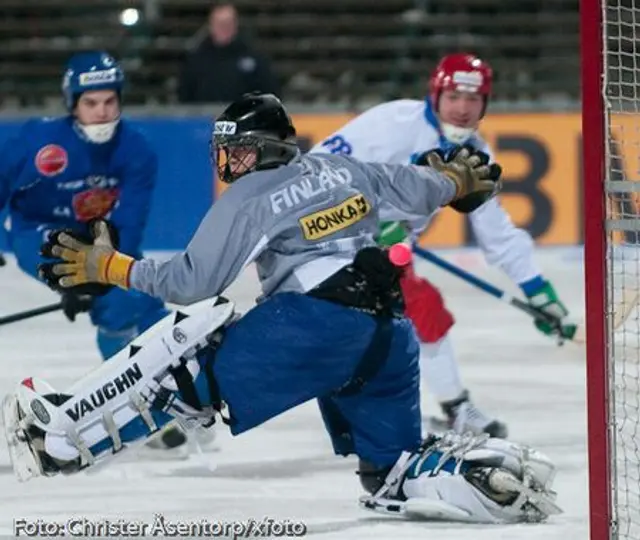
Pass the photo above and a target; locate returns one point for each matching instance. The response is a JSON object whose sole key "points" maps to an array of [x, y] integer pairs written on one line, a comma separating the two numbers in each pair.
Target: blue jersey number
{"points": [[338, 145]]}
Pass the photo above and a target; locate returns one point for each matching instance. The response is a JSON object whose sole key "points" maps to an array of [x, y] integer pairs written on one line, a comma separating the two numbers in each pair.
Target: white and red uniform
{"points": [[398, 132]]}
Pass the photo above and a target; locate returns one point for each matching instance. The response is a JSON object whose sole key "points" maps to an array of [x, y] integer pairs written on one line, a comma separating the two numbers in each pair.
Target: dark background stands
{"points": [[224, 65]]}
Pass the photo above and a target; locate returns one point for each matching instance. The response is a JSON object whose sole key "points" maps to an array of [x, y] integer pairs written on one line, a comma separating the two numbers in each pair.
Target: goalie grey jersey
{"points": [[300, 223]]}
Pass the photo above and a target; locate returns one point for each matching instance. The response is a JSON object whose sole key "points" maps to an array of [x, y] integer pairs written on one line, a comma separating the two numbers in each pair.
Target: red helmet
{"points": [[463, 72]]}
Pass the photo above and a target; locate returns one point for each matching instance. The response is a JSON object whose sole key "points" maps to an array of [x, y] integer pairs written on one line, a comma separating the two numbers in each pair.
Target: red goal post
{"points": [[610, 81]]}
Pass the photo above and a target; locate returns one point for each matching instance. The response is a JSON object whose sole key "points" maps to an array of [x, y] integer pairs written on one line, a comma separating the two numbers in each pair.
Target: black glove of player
{"points": [[75, 300], [73, 304], [3, 261], [476, 181], [47, 274]]}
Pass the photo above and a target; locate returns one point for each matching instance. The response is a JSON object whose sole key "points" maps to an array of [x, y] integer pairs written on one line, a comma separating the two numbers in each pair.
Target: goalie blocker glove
{"points": [[476, 180], [78, 299], [85, 264]]}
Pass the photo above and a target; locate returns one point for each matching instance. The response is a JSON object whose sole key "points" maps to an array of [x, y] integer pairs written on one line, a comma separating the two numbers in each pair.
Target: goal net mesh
{"points": [[621, 95]]}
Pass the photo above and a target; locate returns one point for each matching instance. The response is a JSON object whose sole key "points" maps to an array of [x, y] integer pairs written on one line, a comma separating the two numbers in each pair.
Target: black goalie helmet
{"points": [[252, 134]]}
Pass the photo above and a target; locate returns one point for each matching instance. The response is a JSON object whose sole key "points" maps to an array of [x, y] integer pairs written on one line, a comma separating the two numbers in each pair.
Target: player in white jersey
{"points": [[398, 132]]}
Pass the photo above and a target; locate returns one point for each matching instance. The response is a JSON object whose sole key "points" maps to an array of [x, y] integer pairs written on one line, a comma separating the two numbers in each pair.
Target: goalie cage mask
{"points": [[254, 133]]}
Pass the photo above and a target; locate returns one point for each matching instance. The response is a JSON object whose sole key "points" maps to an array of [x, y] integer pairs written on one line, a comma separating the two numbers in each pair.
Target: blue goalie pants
{"points": [[293, 348]]}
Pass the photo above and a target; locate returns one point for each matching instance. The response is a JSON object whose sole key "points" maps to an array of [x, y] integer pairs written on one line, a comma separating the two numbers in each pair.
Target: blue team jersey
{"points": [[51, 176]]}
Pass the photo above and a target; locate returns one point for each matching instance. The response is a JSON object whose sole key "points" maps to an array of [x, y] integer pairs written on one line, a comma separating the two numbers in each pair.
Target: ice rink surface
{"points": [[286, 469]]}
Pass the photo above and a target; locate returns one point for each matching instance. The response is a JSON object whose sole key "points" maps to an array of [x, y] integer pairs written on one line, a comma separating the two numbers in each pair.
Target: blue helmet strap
{"points": [[443, 143], [432, 119]]}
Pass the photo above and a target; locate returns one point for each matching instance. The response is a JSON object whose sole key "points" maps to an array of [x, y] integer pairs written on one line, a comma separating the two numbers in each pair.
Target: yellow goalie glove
{"points": [[79, 260]]}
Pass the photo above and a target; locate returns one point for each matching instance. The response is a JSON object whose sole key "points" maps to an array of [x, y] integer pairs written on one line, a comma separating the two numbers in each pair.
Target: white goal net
{"points": [[621, 91]]}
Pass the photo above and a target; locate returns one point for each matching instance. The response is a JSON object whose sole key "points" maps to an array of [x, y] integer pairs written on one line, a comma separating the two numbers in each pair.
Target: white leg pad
{"points": [[469, 479], [117, 392]]}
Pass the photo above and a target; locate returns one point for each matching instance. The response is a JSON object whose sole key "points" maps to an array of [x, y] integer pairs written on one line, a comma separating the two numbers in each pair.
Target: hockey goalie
{"points": [[126, 402], [330, 326]]}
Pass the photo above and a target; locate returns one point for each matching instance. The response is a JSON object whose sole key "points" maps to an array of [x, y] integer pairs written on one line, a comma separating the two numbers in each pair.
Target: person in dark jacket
{"points": [[224, 66]]}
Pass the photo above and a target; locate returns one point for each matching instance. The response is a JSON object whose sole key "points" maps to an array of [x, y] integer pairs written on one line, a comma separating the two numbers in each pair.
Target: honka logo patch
{"points": [[334, 219]]}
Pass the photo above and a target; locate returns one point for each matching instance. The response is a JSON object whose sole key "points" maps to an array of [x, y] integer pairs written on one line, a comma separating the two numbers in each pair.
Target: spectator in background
{"points": [[224, 66]]}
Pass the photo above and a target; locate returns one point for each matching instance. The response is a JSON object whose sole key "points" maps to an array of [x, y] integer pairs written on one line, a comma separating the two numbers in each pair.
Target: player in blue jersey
{"points": [[67, 171]]}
